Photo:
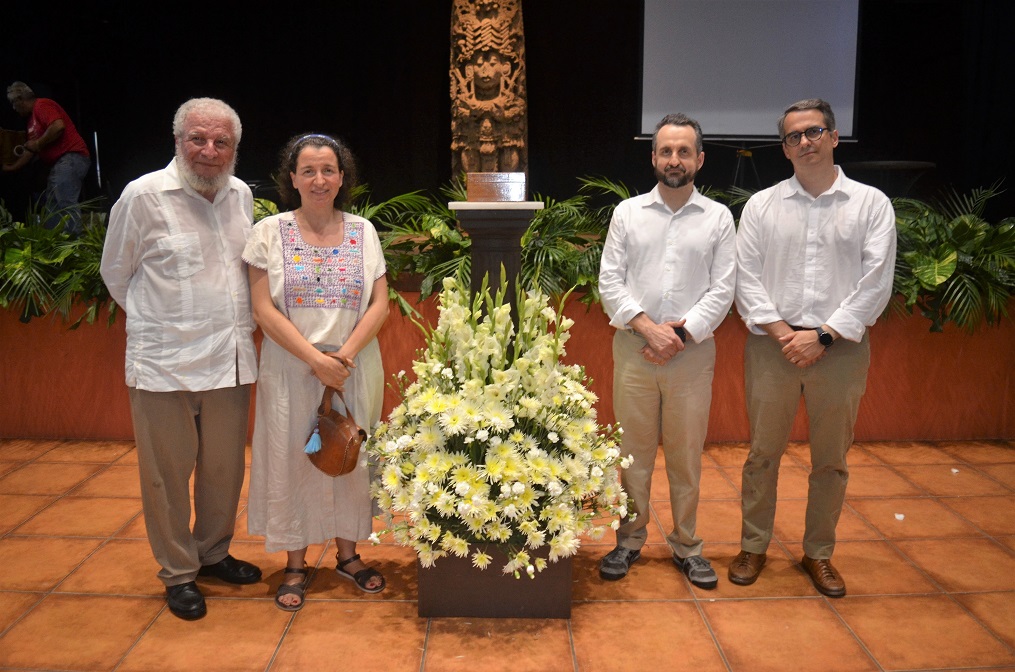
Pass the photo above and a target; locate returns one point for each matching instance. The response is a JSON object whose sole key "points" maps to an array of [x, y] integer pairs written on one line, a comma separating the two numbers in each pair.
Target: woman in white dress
{"points": [[319, 293]]}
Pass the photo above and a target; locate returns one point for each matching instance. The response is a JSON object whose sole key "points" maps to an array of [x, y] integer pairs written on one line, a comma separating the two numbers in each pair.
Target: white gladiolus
{"points": [[496, 440]]}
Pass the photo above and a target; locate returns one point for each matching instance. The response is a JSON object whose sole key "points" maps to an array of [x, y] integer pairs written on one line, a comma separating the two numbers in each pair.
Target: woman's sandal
{"points": [[362, 577], [297, 589]]}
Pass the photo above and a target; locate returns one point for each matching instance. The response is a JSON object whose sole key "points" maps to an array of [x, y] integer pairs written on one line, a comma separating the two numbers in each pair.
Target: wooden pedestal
{"points": [[453, 587]]}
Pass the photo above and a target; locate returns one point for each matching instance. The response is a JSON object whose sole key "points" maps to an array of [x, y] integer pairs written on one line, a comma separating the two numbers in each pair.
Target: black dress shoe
{"points": [[186, 601], [231, 570]]}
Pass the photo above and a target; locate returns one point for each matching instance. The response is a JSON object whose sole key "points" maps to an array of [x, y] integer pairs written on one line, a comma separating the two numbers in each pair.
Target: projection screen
{"points": [[734, 65]]}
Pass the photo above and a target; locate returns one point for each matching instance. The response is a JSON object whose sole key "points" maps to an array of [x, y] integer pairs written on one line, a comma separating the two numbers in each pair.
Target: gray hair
{"points": [[679, 119], [809, 104], [210, 106], [19, 91]]}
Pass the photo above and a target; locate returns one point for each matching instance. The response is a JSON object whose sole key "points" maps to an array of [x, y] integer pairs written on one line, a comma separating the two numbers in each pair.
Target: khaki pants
{"points": [[832, 389], [672, 402], [184, 433]]}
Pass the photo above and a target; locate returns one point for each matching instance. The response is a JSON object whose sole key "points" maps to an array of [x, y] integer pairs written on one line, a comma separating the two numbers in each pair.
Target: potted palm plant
{"points": [[952, 265], [48, 271]]}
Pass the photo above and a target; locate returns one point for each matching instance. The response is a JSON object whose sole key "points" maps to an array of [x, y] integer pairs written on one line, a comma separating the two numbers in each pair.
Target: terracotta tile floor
{"points": [[926, 544]]}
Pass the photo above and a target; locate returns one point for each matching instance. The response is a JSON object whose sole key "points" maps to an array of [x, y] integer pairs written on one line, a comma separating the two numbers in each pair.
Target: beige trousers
{"points": [[668, 403], [832, 389], [184, 433]]}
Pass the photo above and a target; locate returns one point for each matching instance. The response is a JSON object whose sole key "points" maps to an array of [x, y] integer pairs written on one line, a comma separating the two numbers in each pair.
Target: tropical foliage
{"points": [[264, 207], [952, 265], [560, 249], [421, 239], [47, 271]]}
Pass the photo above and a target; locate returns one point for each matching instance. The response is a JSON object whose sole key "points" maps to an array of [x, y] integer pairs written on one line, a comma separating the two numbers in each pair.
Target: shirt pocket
{"points": [[182, 255]]}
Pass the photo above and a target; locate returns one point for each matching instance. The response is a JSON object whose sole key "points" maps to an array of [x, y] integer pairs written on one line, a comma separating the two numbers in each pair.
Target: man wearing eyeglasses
{"points": [[815, 264]]}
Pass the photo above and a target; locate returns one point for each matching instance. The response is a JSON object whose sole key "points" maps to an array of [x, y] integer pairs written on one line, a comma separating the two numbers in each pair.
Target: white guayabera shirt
{"points": [[813, 261], [172, 261], [669, 265]]}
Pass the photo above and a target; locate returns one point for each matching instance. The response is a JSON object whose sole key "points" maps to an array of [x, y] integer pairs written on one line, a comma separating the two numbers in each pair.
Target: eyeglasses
{"points": [[812, 133]]}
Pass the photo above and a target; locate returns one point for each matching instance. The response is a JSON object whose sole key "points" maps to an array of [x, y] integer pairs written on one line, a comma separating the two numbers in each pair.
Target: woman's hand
{"points": [[332, 369]]}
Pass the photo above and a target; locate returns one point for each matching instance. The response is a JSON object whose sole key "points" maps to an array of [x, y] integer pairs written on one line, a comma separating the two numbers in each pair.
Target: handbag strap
{"points": [[325, 406]]}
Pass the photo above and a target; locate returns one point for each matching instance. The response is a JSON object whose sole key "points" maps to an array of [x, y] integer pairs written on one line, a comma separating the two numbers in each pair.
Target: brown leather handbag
{"points": [[334, 443]]}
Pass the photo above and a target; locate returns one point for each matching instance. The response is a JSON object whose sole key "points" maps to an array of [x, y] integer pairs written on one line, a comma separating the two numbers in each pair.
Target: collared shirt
{"points": [[669, 265], [172, 261], [812, 261]]}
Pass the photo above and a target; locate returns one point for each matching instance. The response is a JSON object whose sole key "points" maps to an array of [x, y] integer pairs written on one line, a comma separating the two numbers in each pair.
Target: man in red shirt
{"points": [[53, 140]]}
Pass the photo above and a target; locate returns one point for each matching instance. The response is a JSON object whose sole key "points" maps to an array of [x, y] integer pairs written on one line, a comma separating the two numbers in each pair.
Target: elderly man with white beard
{"points": [[172, 261]]}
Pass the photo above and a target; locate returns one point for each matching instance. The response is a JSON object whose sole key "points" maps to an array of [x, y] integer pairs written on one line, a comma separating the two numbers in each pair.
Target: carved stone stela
{"points": [[489, 129]]}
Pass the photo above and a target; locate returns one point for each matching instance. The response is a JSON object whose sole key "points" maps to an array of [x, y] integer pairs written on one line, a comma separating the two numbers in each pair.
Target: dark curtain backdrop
{"points": [[935, 85]]}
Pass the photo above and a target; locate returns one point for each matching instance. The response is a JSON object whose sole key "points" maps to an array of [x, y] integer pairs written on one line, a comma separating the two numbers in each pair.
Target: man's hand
{"points": [[802, 348], [653, 357], [663, 343]]}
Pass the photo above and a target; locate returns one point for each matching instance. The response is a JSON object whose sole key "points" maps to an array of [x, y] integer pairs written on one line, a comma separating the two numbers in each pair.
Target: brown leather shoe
{"points": [[745, 568], [826, 578]]}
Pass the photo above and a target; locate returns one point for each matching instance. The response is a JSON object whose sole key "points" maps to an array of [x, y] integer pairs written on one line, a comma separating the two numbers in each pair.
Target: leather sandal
{"points": [[362, 577], [297, 589]]}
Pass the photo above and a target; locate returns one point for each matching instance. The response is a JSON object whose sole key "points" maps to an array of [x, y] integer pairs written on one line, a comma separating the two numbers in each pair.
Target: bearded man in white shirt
{"points": [[666, 279], [172, 261], [815, 265]]}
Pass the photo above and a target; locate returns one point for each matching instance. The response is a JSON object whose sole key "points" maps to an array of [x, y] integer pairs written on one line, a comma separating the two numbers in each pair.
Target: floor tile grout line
{"points": [[957, 461], [60, 497], [708, 626], [140, 636], [571, 642], [992, 537], [944, 591], [989, 630], [281, 639], [52, 589], [426, 644], [30, 609], [55, 442], [899, 552], [849, 628], [322, 559], [951, 594]]}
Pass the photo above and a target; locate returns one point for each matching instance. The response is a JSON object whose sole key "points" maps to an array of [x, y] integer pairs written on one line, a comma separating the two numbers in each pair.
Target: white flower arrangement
{"points": [[496, 441]]}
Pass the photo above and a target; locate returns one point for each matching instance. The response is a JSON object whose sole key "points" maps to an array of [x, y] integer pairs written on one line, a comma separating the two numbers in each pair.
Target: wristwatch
{"points": [[824, 338]]}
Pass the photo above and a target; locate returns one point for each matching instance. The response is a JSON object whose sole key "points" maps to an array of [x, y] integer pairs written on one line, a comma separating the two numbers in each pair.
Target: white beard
{"points": [[201, 184]]}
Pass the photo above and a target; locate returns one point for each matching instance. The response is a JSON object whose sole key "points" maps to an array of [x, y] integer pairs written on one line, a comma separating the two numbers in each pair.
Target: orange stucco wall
{"points": [[56, 383]]}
